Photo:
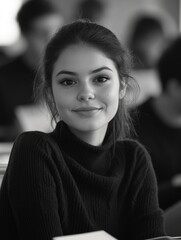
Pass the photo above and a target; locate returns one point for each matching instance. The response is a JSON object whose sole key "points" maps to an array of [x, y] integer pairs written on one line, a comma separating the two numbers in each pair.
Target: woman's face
{"points": [[86, 87]]}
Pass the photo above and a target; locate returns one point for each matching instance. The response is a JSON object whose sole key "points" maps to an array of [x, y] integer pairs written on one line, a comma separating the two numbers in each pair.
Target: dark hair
{"points": [[145, 25], [169, 63], [99, 37], [32, 10]]}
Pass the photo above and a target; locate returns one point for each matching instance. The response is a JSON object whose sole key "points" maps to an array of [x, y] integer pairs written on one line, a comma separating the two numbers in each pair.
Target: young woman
{"points": [[85, 175]]}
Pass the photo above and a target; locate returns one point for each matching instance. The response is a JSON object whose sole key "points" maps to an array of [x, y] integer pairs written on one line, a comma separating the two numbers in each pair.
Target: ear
{"points": [[122, 91]]}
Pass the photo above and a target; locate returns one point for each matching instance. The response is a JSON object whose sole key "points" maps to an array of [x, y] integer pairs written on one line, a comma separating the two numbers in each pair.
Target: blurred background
{"points": [[116, 14]]}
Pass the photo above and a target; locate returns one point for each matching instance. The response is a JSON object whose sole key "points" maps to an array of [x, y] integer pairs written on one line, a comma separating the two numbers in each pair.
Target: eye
{"points": [[67, 82], [102, 79]]}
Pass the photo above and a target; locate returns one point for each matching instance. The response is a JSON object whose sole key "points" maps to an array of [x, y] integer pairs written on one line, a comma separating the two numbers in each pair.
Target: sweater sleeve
{"points": [[147, 219], [32, 189]]}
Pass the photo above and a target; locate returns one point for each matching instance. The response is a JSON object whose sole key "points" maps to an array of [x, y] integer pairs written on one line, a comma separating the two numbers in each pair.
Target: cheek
{"points": [[58, 99], [112, 98], [112, 92], [63, 100]]}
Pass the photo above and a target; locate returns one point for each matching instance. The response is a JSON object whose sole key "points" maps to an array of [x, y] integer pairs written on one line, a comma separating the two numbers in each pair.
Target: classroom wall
{"points": [[119, 13]]}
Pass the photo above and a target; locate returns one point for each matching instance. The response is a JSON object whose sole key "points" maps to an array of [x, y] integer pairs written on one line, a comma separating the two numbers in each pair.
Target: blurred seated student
{"points": [[159, 126], [86, 175], [147, 39], [37, 20]]}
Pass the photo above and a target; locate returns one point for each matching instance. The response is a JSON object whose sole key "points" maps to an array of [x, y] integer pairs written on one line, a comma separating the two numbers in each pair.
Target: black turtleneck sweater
{"points": [[56, 185]]}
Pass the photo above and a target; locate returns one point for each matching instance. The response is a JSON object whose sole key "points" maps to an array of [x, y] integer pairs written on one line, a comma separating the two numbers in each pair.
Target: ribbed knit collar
{"points": [[96, 159]]}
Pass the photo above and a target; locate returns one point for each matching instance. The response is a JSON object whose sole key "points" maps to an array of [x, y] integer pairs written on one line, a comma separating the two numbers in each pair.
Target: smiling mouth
{"points": [[87, 111]]}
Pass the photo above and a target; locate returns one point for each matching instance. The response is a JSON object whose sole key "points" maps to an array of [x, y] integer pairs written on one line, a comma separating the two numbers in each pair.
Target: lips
{"points": [[87, 109]]}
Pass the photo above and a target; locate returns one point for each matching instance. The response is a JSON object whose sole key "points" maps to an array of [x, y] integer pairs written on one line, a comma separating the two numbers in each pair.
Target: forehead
{"points": [[82, 56]]}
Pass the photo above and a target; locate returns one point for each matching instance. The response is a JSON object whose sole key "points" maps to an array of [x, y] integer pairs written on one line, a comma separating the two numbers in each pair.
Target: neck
{"points": [[94, 138], [168, 110]]}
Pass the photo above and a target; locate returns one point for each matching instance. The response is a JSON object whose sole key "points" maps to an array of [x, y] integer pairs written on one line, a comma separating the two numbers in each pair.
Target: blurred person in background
{"points": [[158, 126], [37, 20], [147, 39], [91, 10]]}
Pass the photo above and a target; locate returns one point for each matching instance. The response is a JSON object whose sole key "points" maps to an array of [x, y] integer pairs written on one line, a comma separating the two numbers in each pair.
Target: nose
{"points": [[86, 93]]}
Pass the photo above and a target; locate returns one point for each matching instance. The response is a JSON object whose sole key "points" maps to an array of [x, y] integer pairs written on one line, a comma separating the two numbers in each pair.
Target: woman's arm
{"points": [[147, 218], [32, 189]]}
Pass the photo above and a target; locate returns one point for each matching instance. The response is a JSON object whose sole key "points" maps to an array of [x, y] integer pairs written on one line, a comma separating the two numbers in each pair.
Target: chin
{"points": [[88, 127]]}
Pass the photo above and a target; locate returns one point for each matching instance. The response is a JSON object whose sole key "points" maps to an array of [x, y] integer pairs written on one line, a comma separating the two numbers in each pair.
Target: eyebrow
{"points": [[74, 74]]}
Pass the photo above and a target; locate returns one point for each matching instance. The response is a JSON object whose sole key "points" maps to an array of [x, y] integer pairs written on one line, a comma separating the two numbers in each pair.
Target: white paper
{"points": [[101, 235]]}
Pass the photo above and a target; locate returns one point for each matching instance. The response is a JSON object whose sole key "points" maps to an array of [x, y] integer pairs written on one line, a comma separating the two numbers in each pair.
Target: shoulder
{"points": [[34, 148], [132, 146], [32, 141], [33, 160], [138, 163], [134, 152], [31, 137]]}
